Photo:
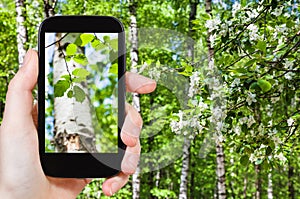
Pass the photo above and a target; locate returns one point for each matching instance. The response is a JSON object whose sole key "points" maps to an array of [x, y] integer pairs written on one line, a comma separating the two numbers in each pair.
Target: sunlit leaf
{"points": [[71, 49], [97, 45], [81, 59], [86, 38], [114, 44], [80, 72], [264, 85], [106, 39]]}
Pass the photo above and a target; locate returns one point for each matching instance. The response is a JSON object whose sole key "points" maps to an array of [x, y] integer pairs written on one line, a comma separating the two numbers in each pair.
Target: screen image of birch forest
{"points": [[224, 119], [81, 92]]}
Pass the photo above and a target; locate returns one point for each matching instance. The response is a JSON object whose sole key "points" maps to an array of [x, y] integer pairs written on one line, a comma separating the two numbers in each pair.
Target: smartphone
{"points": [[81, 96]]}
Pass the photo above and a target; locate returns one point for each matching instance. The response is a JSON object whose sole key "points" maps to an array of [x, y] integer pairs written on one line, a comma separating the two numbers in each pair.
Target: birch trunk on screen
{"points": [[73, 127], [22, 36], [133, 38]]}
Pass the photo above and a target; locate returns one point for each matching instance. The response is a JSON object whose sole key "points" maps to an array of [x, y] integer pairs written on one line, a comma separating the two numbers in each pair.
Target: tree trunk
{"points": [[183, 193], [221, 171], [49, 8], [73, 129], [133, 38], [221, 185], [22, 36], [184, 169], [258, 182], [270, 186], [290, 182]]}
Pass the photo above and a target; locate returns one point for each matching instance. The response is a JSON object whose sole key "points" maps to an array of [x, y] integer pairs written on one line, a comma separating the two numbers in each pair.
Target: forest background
{"points": [[224, 119]]}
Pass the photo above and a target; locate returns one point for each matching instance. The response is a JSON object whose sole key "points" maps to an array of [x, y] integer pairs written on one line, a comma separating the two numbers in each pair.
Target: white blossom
{"points": [[253, 32], [288, 75], [288, 64], [212, 24], [252, 14], [194, 83], [251, 98], [290, 121], [212, 39], [251, 121], [277, 12], [235, 8], [281, 157]]}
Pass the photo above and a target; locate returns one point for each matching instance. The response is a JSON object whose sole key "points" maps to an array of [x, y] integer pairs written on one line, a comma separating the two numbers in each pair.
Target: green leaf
{"points": [[86, 38], [60, 87], [79, 94], [264, 85], [80, 72], [106, 39], [114, 69], [70, 94], [71, 49], [114, 44], [244, 160], [80, 59], [268, 150], [97, 45], [262, 45], [66, 77]]}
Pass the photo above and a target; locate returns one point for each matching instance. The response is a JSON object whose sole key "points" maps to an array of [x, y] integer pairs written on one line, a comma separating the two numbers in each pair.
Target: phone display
{"points": [[81, 96], [81, 92]]}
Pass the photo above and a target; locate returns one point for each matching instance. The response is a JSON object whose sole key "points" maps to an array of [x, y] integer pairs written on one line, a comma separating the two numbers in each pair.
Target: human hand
{"points": [[21, 174]]}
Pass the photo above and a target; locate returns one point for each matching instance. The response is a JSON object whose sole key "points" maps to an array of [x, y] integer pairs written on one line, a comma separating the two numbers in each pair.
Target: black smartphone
{"points": [[81, 96]]}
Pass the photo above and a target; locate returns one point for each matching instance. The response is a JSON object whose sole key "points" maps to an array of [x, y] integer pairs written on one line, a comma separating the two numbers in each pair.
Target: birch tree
{"points": [[22, 36], [133, 38], [73, 129], [187, 141], [220, 159]]}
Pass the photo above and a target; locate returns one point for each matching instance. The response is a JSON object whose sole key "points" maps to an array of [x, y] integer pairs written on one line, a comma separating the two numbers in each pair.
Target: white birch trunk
{"points": [[221, 171], [73, 127], [22, 36], [270, 186], [184, 169], [133, 38]]}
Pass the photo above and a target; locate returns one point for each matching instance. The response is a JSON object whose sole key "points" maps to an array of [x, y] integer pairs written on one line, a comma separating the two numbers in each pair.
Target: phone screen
{"points": [[81, 92]]}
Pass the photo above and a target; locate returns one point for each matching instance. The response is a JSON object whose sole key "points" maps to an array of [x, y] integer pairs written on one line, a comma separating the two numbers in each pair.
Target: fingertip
{"points": [[128, 140]]}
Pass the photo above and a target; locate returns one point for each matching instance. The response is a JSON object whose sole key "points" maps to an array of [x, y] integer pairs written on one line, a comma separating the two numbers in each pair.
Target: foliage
{"points": [[256, 63]]}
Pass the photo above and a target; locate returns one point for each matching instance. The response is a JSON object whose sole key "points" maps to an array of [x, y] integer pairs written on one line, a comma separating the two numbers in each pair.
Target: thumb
{"points": [[18, 107]]}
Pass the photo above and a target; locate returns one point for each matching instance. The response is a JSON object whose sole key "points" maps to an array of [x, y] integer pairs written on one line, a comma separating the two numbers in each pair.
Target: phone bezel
{"points": [[81, 165]]}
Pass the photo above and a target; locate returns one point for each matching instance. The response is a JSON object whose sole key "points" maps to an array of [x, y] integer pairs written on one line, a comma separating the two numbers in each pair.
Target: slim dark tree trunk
{"points": [[49, 6], [258, 182], [290, 182], [22, 36], [183, 193]]}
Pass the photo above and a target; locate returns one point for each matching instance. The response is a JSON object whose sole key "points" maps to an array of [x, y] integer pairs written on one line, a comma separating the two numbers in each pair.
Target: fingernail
{"points": [[150, 84], [27, 57], [114, 188]]}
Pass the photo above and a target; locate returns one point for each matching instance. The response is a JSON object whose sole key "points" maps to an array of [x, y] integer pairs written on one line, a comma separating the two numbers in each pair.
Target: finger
{"points": [[131, 159], [132, 126], [35, 115], [139, 84], [19, 94], [114, 184]]}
